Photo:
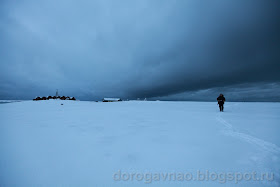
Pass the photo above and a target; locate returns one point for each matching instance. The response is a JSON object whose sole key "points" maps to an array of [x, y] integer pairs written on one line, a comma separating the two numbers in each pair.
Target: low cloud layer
{"points": [[242, 92], [130, 49]]}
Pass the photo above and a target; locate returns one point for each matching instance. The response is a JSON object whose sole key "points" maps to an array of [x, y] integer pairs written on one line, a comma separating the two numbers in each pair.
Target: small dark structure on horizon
{"points": [[111, 99]]}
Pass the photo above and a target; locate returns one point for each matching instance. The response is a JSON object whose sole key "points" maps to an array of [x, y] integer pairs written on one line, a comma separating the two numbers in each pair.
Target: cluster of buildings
{"points": [[54, 97], [73, 98]]}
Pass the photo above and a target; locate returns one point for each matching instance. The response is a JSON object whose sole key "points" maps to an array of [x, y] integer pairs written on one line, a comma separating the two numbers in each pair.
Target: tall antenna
{"points": [[56, 93]]}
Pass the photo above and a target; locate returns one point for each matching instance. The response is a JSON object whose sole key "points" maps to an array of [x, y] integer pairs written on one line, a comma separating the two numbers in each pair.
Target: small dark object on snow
{"points": [[221, 100]]}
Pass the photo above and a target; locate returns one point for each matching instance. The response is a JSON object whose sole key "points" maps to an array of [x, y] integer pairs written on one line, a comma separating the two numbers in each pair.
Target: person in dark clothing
{"points": [[221, 100]]}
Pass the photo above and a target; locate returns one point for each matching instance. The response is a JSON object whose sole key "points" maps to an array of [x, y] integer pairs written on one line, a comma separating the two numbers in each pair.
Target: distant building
{"points": [[111, 99], [37, 99]]}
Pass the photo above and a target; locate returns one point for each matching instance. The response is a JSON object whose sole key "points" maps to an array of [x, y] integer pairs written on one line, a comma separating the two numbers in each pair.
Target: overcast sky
{"points": [[158, 49]]}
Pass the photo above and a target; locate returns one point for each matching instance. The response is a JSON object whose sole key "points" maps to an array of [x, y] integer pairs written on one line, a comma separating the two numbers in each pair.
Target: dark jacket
{"points": [[221, 100]]}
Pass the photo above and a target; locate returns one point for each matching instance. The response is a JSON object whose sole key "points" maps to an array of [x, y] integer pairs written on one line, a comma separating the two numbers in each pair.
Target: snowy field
{"points": [[139, 143]]}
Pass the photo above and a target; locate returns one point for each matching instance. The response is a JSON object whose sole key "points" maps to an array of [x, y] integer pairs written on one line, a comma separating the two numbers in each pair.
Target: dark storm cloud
{"points": [[95, 49], [241, 92]]}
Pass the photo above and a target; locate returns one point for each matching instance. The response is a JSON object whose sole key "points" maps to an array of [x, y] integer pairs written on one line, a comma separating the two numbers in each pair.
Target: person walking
{"points": [[221, 101]]}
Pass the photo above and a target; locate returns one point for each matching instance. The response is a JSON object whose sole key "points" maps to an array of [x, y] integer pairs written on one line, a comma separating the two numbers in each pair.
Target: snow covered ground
{"points": [[139, 143]]}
